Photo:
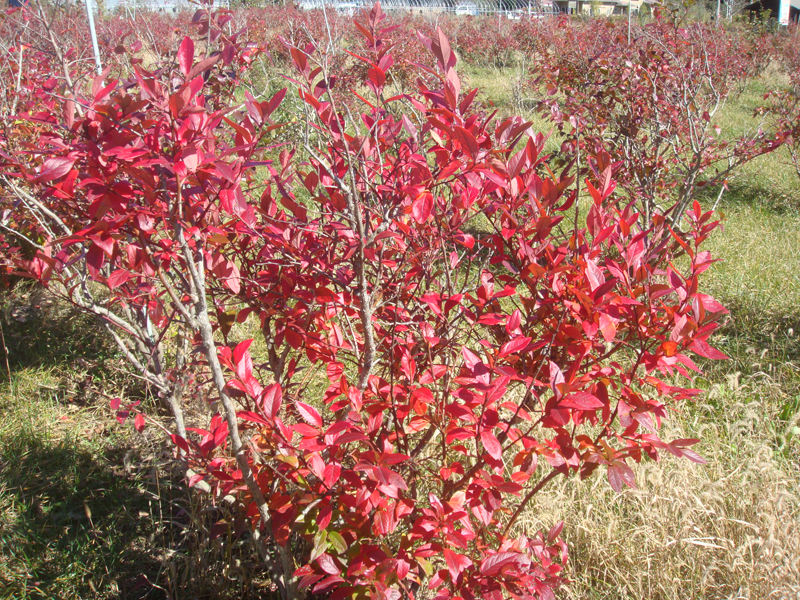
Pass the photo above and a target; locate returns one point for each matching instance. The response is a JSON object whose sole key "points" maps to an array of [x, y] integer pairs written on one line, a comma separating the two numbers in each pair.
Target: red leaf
{"points": [[470, 358], [253, 108], [309, 414], [702, 348], [618, 474], [494, 564], [581, 401], [556, 377], [456, 563], [422, 207], [331, 475], [327, 564], [710, 304], [491, 444], [447, 56], [179, 442], [389, 477], [308, 580], [306, 430], [326, 584], [203, 66], [186, 55], [118, 277], [465, 240], [243, 361], [684, 442], [514, 321], [105, 242], [555, 531], [377, 76], [467, 139], [69, 112], [693, 456], [95, 258], [247, 415], [513, 346], [138, 422], [594, 274], [100, 93], [240, 350], [316, 465], [271, 400], [275, 101], [53, 168]]}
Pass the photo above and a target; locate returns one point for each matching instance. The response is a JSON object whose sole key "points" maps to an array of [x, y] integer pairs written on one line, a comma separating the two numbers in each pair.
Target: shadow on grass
{"points": [[777, 199], [90, 510], [42, 331], [88, 519], [39, 330], [754, 335], [71, 527]]}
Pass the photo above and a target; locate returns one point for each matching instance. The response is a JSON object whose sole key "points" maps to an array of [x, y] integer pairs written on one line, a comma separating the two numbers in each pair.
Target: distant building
{"points": [[601, 7], [767, 9]]}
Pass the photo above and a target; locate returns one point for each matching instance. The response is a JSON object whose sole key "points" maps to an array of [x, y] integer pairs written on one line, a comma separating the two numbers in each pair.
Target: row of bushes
{"points": [[404, 318]]}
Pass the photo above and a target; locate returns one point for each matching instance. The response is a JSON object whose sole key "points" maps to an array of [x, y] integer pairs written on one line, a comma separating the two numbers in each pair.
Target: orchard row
{"points": [[403, 316]]}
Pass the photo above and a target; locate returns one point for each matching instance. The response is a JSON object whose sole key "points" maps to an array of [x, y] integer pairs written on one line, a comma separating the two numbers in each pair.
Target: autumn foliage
{"points": [[652, 97], [443, 322]]}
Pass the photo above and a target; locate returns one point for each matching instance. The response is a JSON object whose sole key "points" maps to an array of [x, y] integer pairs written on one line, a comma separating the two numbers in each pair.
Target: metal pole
{"points": [[629, 22], [90, 16]]}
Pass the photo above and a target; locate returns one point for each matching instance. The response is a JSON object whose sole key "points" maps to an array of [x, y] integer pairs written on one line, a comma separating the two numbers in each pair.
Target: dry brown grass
{"points": [[729, 529]]}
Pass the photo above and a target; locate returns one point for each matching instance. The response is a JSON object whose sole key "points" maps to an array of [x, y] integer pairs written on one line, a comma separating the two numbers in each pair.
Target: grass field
{"points": [[89, 509]]}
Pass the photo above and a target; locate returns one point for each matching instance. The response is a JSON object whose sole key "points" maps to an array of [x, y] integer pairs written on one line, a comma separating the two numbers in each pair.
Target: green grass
{"points": [[767, 181], [73, 522], [77, 518]]}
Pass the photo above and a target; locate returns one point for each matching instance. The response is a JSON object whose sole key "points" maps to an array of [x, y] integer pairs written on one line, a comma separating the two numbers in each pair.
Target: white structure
{"points": [[785, 10], [132, 6], [514, 9]]}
